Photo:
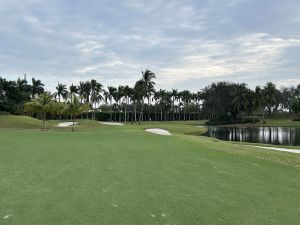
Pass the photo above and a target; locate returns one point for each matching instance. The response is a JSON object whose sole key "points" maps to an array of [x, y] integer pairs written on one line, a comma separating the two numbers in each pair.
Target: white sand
{"points": [[67, 124], [112, 123], [158, 131], [278, 149], [200, 126]]}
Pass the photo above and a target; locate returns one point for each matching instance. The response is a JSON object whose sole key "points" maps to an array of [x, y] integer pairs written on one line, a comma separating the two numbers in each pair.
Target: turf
{"points": [[12, 121], [123, 175]]}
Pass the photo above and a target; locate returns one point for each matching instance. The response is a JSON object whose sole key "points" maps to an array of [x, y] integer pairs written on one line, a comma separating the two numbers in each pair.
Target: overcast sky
{"points": [[188, 44]]}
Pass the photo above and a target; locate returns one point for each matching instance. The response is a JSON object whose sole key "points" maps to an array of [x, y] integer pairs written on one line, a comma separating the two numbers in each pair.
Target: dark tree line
{"points": [[143, 102], [13, 94]]}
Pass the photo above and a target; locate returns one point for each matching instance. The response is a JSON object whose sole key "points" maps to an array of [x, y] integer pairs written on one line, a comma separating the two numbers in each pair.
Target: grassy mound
{"points": [[25, 122]]}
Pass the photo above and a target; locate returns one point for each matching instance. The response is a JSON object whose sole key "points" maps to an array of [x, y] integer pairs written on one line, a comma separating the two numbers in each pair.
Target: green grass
{"points": [[123, 175], [11, 121]]}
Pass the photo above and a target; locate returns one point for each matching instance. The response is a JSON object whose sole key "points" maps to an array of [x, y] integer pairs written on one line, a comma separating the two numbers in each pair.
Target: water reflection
{"points": [[266, 135]]}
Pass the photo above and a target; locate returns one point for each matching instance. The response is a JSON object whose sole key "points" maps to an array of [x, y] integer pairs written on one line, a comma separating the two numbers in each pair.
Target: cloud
{"points": [[90, 47], [288, 82], [250, 54], [181, 41]]}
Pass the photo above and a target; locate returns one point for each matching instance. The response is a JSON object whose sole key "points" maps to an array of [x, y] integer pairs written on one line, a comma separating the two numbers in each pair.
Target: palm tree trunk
{"points": [[148, 108], [73, 123], [134, 109], [125, 111], [173, 109], [95, 110], [59, 102], [120, 116], [110, 110], [44, 122], [141, 113]]}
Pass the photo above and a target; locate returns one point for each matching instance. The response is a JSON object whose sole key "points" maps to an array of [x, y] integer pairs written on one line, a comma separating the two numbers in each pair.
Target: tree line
{"points": [[218, 101]]}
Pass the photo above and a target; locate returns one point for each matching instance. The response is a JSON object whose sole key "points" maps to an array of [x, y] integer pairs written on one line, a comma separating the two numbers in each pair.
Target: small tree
{"points": [[42, 105], [74, 107]]}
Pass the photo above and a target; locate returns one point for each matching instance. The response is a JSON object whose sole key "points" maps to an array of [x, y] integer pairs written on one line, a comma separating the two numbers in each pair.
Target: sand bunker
{"points": [[278, 149], [158, 131], [67, 124], [112, 123]]}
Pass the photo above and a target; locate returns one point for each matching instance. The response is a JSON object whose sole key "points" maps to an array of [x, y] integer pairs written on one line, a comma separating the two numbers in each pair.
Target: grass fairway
{"points": [[123, 175]]}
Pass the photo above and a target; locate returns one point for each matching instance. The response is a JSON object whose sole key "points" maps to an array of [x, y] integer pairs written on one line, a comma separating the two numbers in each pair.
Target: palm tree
{"points": [[80, 88], [87, 91], [139, 93], [96, 97], [164, 103], [174, 99], [259, 100], [42, 105], [240, 98], [23, 88], [148, 78], [198, 98], [185, 97], [119, 96], [126, 93], [137, 97], [270, 95], [36, 87], [105, 96], [74, 107], [73, 89], [61, 91], [111, 94], [161, 102], [155, 98]]}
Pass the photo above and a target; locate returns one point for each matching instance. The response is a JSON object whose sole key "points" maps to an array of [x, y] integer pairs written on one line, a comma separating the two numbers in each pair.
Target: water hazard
{"points": [[265, 135]]}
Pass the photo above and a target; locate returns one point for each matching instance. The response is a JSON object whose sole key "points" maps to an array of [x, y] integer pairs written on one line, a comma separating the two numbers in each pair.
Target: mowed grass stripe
{"points": [[126, 176]]}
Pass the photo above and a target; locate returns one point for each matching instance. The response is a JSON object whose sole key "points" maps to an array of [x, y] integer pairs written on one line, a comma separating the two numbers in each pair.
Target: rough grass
{"points": [[123, 175]]}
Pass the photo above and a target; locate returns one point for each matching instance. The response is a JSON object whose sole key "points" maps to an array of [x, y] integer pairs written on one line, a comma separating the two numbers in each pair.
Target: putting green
{"points": [[123, 175]]}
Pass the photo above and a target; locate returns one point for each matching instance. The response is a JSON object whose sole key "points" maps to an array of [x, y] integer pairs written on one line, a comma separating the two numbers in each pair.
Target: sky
{"points": [[187, 44]]}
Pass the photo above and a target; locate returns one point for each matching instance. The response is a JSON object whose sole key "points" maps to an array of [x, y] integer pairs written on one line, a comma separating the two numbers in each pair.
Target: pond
{"points": [[265, 135]]}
